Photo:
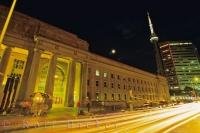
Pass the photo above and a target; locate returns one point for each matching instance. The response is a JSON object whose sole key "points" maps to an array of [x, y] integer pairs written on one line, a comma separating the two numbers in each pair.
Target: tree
{"points": [[188, 90], [175, 92]]}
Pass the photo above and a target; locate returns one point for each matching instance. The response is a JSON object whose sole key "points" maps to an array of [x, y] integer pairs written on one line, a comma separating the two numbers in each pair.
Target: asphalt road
{"points": [[166, 120]]}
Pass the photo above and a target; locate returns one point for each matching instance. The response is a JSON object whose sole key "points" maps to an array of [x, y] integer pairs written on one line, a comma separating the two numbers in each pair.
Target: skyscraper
{"points": [[178, 61], [154, 41], [181, 65]]}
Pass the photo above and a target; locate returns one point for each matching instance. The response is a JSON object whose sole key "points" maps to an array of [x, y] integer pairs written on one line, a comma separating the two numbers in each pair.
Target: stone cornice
{"points": [[27, 27]]}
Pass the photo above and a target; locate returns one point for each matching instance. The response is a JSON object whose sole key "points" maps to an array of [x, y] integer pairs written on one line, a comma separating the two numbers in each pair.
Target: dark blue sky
{"points": [[119, 24]]}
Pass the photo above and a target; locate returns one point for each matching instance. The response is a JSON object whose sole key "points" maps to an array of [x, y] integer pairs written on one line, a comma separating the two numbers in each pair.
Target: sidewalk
{"points": [[12, 122], [16, 122]]}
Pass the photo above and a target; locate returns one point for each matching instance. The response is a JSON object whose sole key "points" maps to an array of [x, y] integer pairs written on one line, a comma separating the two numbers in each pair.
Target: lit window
{"points": [[105, 75], [113, 97], [97, 73], [88, 95], [18, 64], [97, 96]]}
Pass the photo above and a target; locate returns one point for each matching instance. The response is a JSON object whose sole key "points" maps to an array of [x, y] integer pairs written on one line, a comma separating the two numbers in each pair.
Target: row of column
{"points": [[30, 76]]}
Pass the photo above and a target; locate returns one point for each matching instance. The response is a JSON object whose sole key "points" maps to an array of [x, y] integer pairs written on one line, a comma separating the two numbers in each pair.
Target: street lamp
{"points": [[196, 80]]}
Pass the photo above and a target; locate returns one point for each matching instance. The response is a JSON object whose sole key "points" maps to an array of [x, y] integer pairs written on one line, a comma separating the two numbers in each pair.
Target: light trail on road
{"points": [[153, 121]]}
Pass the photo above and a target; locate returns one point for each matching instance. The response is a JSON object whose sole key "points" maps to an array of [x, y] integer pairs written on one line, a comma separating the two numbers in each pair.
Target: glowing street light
{"points": [[196, 79]]}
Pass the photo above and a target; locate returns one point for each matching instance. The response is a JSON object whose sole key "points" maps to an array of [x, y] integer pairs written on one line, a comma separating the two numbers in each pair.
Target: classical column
{"points": [[83, 92], [93, 85], [30, 74], [50, 78], [71, 84], [4, 63]]}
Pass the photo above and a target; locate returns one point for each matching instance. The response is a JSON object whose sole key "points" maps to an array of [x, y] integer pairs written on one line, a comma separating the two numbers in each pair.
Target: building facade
{"points": [[38, 57], [181, 64]]}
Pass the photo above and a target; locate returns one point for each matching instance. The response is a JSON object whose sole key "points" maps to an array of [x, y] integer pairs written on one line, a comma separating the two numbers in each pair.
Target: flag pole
{"points": [[7, 22]]}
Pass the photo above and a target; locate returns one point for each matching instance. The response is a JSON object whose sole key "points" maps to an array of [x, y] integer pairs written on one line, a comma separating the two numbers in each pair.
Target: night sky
{"points": [[119, 24]]}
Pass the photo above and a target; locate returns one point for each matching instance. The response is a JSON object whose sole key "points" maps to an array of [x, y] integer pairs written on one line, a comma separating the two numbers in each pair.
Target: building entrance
{"points": [[61, 86], [12, 77]]}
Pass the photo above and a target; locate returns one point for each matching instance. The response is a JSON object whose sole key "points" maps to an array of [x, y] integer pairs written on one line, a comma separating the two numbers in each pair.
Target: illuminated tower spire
{"points": [[154, 41], [154, 37]]}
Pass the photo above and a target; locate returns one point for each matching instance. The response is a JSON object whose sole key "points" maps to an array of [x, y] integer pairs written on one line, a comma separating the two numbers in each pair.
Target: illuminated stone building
{"points": [[181, 64], [43, 58]]}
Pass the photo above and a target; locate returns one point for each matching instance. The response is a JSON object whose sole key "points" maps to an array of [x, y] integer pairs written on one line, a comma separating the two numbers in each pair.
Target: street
{"points": [[149, 121]]}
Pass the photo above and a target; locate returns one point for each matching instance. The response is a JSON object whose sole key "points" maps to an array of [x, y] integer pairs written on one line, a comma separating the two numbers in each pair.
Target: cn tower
{"points": [[154, 41]]}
